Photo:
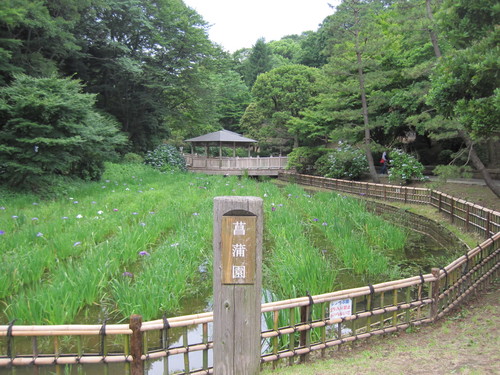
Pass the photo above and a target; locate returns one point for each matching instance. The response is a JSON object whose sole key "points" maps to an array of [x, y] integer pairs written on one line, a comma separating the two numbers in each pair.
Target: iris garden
{"points": [[140, 242]]}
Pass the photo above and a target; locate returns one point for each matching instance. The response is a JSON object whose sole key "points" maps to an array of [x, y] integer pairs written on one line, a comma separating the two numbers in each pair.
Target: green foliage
{"points": [[259, 61], [36, 36], [404, 167], [304, 158], [464, 21], [283, 93], [166, 158], [49, 127], [465, 86], [346, 162], [445, 172], [134, 243], [133, 158]]}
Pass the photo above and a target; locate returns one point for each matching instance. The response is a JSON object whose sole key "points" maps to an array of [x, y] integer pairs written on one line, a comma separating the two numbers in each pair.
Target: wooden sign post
{"points": [[238, 227]]}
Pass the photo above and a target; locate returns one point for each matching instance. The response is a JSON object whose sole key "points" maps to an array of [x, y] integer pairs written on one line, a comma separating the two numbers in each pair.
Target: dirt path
{"points": [[465, 342]]}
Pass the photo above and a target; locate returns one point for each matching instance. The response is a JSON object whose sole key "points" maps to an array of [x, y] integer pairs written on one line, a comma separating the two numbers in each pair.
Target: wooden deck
{"points": [[253, 166]]}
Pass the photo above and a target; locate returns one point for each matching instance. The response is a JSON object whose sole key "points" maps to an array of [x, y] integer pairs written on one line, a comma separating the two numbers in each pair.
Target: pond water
{"points": [[429, 245]]}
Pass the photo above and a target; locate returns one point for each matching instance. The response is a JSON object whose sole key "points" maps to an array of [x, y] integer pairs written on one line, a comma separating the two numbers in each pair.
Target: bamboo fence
{"points": [[300, 326]]}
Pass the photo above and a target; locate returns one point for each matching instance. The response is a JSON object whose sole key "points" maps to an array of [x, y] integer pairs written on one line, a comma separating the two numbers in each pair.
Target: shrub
{"points": [[303, 158], [133, 158], [166, 158], [445, 172], [345, 162], [50, 127], [404, 167]]}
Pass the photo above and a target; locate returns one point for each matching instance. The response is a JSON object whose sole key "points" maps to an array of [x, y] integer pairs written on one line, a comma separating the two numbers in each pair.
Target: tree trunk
{"points": [[432, 34], [479, 164], [364, 103]]}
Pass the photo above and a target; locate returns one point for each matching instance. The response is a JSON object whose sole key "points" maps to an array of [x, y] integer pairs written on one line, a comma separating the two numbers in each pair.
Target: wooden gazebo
{"points": [[221, 138]]}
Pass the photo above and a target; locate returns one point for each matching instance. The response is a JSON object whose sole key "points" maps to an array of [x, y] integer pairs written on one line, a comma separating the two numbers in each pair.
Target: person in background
{"points": [[384, 161]]}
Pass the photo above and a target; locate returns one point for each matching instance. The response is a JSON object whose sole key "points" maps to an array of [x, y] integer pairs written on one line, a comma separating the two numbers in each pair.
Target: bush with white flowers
{"points": [[404, 167], [346, 162], [166, 158]]}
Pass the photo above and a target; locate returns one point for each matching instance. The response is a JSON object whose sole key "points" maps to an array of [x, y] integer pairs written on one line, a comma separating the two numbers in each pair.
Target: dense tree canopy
{"points": [[421, 75]]}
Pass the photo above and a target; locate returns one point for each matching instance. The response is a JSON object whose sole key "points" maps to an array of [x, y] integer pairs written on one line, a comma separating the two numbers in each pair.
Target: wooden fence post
{"points": [[237, 284], [435, 294], [137, 367], [488, 224], [303, 334]]}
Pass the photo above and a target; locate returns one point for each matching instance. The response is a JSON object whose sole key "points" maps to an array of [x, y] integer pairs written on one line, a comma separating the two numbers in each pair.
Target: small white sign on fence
{"points": [[340, 309]]}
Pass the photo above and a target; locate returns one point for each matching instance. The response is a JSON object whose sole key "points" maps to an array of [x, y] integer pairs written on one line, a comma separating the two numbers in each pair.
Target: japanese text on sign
{"points": [[340, 309], [238, 249]]}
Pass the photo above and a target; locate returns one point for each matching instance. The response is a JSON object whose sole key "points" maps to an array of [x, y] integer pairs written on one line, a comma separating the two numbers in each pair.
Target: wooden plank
{"points": [[237, 306]]}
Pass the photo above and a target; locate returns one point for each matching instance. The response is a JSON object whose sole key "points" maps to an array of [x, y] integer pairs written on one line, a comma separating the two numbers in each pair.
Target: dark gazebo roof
{"points": [[221, 137]]}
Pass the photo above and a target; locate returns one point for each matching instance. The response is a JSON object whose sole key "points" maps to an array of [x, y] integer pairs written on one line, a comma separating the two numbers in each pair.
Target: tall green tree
{"points": [[36, 36], [355, 49], [283, 93], [465, 84], [258, 62], [145, 60], [48, 127]]}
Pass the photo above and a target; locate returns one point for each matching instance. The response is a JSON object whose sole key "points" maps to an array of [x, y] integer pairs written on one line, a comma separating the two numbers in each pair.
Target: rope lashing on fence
{"points": [[166, 327], [9, 338], [102, 334], [450, 290], [329, 322], [468, 291], [419, 289], [335, 342], [372, 291], [466, 266], [445, 277], [311, 303]]}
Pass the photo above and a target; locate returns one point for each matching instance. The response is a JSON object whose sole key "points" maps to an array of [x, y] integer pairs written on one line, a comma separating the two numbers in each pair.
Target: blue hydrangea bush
{"points": [[404, 167], [166, 158], [345, 162]]}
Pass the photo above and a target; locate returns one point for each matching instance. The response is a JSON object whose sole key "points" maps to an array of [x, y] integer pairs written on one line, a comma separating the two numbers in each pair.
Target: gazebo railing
{"points": [[240, 163]]}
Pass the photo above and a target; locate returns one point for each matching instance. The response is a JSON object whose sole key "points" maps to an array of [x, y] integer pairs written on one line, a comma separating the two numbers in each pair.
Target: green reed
{"points": [[140, 242]]}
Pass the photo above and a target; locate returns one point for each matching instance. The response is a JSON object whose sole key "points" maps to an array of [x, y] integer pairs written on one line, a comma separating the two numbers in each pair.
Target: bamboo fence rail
{"points": [[299, 326]]}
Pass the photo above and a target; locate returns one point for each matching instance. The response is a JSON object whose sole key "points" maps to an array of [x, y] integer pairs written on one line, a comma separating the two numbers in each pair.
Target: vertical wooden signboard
{"points": [[238, 226]]}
